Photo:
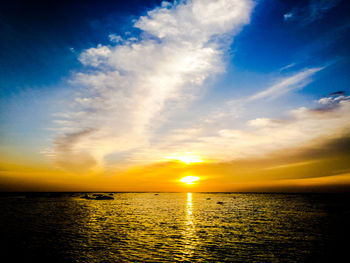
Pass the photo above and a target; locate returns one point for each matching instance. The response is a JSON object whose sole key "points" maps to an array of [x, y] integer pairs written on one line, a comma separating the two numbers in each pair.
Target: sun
{"points": [[187, 159], [189, 179]]}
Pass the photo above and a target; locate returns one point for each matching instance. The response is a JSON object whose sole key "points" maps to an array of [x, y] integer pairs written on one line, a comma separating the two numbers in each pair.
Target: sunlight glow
{"points": [[189, 179], [187, 159]]}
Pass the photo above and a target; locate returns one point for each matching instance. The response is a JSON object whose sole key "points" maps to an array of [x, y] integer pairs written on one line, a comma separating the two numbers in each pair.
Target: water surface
{"points": [[175, 227]]}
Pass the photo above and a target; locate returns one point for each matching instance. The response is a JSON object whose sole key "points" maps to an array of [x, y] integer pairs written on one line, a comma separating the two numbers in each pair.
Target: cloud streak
{"points": [[294, 82]]}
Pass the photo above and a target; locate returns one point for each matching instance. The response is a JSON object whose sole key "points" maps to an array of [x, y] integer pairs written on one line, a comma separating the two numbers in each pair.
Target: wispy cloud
{"points": [[134, 81], [315, 10], [294, 82], [287, 67], [282, 86]]}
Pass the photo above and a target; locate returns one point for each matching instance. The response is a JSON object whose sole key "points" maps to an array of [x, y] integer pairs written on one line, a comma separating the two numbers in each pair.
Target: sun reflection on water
{"points": [[189, 207], [189, 233]]}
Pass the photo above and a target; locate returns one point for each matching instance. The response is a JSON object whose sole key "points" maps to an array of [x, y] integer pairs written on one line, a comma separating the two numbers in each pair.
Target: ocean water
{"points": [[175, 227]]}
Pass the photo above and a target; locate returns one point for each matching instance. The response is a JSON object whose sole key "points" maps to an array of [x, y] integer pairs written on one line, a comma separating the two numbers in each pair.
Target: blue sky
{"points": [[101, 83], [36, 34]]}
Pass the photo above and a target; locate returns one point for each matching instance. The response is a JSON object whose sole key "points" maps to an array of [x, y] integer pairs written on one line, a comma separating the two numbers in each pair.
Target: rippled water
{"points": [[171, 227]]}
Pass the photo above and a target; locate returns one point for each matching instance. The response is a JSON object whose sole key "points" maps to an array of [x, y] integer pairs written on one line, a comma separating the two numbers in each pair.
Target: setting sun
{"points": [[189, 179]]}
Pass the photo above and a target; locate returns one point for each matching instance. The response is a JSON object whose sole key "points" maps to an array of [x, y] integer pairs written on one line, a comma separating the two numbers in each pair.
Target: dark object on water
{"points": [[97, 197], [104, 197], [155, 194], [208, 198], [220, 203]]}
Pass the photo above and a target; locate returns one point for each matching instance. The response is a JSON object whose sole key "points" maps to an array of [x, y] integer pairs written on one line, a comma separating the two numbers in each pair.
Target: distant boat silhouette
{"points": [[97, 197]]}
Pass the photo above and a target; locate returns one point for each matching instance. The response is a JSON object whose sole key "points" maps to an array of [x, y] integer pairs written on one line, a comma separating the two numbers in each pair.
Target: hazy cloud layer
{"points": [[261, 136]]}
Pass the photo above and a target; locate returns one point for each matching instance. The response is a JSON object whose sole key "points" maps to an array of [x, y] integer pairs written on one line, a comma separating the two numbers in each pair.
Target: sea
{"points": [[174, 227]]}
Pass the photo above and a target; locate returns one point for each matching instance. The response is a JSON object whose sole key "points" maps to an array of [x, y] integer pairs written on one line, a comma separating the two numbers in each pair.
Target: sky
{"points": [[243, 95]]}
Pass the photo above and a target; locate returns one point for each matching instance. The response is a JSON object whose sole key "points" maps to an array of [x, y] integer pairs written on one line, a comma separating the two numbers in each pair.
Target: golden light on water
{"points": [[189, 179], [189, 232]]}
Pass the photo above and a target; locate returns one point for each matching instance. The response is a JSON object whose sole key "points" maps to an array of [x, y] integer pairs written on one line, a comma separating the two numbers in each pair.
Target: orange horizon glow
{"points": [[273, 174]]}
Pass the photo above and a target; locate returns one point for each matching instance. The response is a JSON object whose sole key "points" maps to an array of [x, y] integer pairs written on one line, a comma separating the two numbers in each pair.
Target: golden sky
{"points": [[315, 168]]}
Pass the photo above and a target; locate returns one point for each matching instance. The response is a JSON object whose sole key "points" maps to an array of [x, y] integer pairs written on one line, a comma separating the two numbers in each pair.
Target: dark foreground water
{"points": [[144, 227]]}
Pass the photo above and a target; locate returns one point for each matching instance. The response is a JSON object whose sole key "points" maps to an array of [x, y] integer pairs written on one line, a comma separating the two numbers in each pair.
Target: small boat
{"points": [[98, 197]]}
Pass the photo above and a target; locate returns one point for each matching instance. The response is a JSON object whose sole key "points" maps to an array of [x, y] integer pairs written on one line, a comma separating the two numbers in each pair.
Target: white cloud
{"points": [[95, 56], [333, 101], [119, 104], [115, 38]]}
